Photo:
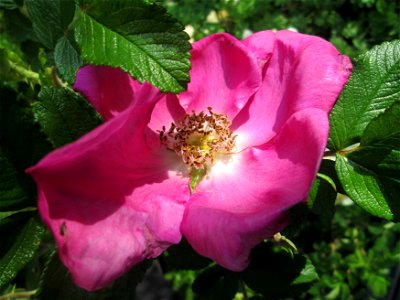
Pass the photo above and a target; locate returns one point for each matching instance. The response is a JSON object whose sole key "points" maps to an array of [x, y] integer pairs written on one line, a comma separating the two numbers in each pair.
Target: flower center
{"points": [[199, 138]]}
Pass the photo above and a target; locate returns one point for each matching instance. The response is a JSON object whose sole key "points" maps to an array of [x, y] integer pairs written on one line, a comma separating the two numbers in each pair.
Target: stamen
{"points": [[198, 138]]}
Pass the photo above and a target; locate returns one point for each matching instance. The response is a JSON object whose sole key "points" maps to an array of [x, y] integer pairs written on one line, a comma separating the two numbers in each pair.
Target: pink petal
{"points": [[244, 201], [303, 72], [111, 200], [166, 111], [110, 90], [262, 45], [224, 75]]}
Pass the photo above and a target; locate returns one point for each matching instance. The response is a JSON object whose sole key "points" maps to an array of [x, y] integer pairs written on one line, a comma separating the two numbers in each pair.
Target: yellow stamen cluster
{"points": [[198, 138]]}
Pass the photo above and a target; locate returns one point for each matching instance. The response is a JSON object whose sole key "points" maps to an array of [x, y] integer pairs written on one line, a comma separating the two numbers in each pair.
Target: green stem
{"points": [[12, 295], [329, 153], [55, 79], [33, 76], [345, 151]]}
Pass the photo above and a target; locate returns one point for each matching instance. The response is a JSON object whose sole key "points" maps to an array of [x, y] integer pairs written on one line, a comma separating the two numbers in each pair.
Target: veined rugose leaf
{"points": [[371, 174], [50, 19], [64, 115], [52, 25], [21, 252], [367, 113], [11, 193], [22, 145], [138, 36], [373, 87], [67, 59]]}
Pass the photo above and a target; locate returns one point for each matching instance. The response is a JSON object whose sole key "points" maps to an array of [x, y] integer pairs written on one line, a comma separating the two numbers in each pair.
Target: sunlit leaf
{"points": [[137, 36]]}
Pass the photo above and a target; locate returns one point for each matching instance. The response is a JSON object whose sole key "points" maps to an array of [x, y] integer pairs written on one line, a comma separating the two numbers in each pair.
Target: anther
{"points": [[198, 138]]}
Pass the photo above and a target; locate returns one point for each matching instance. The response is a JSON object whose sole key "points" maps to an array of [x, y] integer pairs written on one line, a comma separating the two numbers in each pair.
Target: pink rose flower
{"points": [[254, 119]]}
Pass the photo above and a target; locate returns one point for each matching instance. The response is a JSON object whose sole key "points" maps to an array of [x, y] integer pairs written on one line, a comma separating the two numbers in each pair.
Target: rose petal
{"points": [[224, 76], [303, 72], [166, 111], [110, 90], [261, 44], [245, 200], [109, 199]]}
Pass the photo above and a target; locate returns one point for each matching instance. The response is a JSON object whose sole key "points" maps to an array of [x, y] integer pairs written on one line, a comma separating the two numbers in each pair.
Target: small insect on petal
{"points": [[63, 229]]}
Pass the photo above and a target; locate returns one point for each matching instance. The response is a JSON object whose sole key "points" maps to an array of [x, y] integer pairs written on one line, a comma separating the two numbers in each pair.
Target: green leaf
{"points": [[216, 283], [8, 4], [137, 36], [17, 26], [371, 174], [64, 115], [373, 86], [22, 145], [20, 138], [67, 59], [50, 19], [366, 189], [56, 283], [6, 214], [21, 252], [307, 275], [321, 198], [275, 274], [379, 285], [380, 145], [10, 223], [384, 128], [328, 169], [11, 193], [299, 216]]}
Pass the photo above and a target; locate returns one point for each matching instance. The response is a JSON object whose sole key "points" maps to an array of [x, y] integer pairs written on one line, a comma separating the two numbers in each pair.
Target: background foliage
{"points": [[354, 26], [344, 251]]}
